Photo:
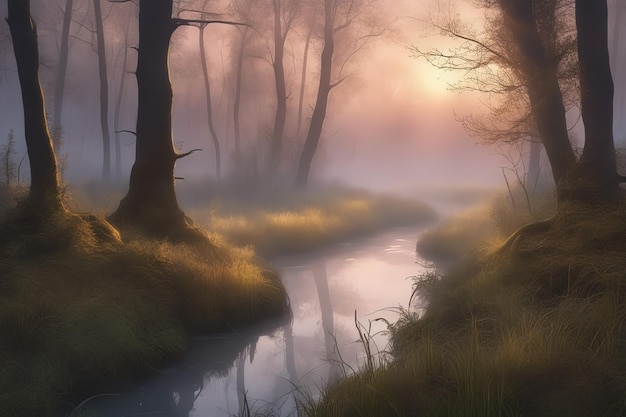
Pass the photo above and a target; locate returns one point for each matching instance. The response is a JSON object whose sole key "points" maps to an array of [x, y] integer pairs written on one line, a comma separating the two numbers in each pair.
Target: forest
{"points": [[312, 208]]}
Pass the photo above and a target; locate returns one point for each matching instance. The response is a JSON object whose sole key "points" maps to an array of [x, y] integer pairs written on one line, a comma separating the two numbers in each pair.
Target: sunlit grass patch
{"points": [[297, 222], [480, 230], [80, 308]]}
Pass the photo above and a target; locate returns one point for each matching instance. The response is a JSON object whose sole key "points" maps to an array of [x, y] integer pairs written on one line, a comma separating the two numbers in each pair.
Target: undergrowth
{"points": [[80, 308], [535, 331]]}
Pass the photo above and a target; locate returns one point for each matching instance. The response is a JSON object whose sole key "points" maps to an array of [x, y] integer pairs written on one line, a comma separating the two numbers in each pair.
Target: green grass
{"points": [[79, 308], [534, 331]]}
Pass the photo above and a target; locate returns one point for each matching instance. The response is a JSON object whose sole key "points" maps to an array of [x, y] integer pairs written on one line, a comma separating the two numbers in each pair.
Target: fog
{"points": [[390, 123]]}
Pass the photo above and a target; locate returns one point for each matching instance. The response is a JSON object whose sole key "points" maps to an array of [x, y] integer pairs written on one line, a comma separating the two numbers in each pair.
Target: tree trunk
{"points": [[104, 93], [534, 160], [305, 61], [597, 163], [59, 87], [44, 192], [543, 88], [281, 92], [118, 109], [209, 107], [150, 204], [319, 112], [237, 102]]}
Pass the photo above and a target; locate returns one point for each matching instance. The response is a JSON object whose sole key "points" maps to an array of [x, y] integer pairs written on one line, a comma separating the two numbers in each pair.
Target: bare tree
{"points": [[537, 49], [104, 91], [59, 86], [45, 192], [339, 17], [284, 16], [151, 204]]}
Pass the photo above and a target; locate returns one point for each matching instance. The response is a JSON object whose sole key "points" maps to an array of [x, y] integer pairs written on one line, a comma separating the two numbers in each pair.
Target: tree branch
{"points": [[182, 155]]}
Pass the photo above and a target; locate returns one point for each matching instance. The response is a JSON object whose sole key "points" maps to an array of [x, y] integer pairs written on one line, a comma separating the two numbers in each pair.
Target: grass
{"points": [[276, 221], [79, 308], [289, 223], [480, 230], [535, 331]]}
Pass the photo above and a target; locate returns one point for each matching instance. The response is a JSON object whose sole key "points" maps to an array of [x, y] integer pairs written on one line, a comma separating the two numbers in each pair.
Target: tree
{"points": [[104, 92], [207, 93], [118, 104], [283, 20], [150, 203], [593, 177], [45, 191], [538, 58], [339, 16], [59, 85]]}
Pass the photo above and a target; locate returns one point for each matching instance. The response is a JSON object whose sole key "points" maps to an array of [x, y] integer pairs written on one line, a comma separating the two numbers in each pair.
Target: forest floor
{"points": [[537, 329], [80, 307]]}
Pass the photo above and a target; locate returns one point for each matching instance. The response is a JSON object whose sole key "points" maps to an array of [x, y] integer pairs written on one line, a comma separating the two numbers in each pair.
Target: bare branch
{"points": [[201, 22], [183, 155]]}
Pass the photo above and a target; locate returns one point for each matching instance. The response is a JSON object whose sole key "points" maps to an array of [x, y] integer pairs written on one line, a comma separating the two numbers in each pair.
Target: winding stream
{"points": [[370, 276]]}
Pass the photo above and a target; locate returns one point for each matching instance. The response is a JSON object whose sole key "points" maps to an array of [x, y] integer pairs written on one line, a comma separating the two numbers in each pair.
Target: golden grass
{"points": [[78, 307], [295, 223], [538, 331]]}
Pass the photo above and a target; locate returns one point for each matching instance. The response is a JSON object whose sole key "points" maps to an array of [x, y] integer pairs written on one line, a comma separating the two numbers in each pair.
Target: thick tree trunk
{"points": [[543, 88], [281, 92], [150, 204], [59, 87], [104, 93], [44, 188], [321, 104], [597, 163], [209, 107]]}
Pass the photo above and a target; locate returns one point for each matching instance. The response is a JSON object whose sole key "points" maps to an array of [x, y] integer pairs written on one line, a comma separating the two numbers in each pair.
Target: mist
{"points": [[329, 208], [391, 121]]}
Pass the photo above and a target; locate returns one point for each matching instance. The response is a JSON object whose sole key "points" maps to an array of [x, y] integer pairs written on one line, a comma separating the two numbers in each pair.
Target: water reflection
{"points": [[174, 391], [325, 289]]}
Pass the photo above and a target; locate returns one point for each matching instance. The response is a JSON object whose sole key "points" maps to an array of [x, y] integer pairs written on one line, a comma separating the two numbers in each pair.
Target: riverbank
{"points": [[80, 308], [532, 330]]}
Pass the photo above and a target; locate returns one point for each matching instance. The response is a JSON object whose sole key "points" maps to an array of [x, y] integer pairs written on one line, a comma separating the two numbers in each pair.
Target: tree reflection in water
{"points": [[173, 391]]}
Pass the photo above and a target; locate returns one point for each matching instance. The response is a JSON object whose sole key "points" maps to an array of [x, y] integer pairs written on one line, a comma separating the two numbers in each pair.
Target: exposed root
{"points": [[512, 243]]}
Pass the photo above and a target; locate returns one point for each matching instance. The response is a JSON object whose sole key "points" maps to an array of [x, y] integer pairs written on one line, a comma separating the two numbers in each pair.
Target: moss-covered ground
{"points": [[537, 329]]}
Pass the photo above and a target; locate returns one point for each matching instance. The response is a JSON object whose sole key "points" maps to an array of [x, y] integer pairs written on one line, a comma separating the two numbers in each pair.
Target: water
{"points": [[371, 277]]}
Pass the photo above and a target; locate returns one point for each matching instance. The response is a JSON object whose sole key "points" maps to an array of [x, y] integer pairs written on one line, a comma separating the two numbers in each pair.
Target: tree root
{"points": [[513, 241]]}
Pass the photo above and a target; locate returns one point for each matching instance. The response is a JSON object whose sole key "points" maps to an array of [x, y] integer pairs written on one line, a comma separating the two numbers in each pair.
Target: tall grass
{"points": [[80, 308], [538, 331]]}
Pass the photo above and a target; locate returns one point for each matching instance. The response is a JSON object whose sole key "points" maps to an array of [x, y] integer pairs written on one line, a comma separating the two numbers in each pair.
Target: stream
{"points": [[370, 276]]}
